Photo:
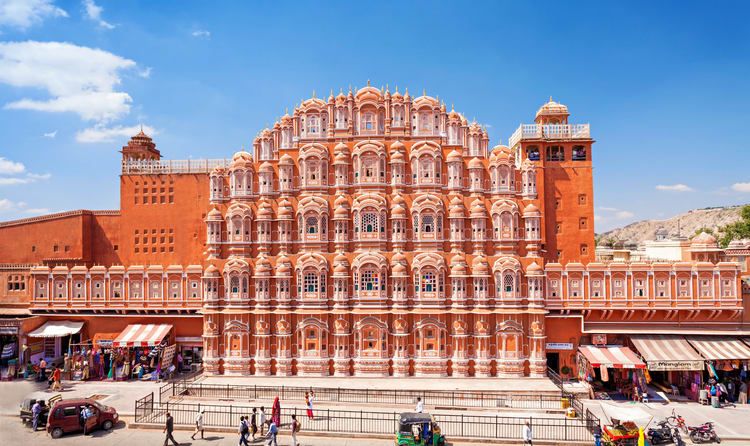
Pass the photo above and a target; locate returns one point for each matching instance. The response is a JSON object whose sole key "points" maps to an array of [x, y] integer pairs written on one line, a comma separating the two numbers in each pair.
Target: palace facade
{"points": [[371, 233]]}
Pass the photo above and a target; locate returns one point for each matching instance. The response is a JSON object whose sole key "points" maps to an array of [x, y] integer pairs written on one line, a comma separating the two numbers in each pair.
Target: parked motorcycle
{"points": [[704, 433], [678, 421], [661, 434]]}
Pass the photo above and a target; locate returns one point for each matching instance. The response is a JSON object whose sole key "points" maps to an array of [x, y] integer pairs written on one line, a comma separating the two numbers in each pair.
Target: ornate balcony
{"points": [[550, 131]]}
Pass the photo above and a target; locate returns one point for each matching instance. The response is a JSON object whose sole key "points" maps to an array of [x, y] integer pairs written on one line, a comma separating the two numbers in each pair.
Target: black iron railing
{"points": [[367, 422]]}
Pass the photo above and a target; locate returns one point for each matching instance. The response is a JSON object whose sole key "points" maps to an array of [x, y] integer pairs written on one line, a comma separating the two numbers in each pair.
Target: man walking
{"points": [[527, 437], [42, 370], [198, 424], [169, 428], [56, 380], [420, 406], [254, 423], [295, 428], [243, 431], [743, 393], [262, 421], [36, 410], [273, 431]]}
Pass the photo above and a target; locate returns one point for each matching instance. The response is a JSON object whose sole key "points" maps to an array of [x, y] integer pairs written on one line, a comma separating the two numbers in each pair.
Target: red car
{"points": [[65, 417]]}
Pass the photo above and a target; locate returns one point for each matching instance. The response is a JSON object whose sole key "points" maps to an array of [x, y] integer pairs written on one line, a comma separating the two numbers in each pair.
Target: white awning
{"points": [[56, 329]]}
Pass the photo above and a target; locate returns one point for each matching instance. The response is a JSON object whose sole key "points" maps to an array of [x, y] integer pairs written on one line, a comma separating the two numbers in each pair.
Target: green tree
{"points": [[703, 229], [737, 230]]}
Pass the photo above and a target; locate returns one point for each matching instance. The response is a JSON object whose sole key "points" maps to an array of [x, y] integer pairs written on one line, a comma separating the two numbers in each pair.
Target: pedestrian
{"points": [[42, 370], [36, 410], [273, 431], [87, 413], [276, 412], [262, 421], [420, 406], [254, 423], [309, 397], [56, 380], [179, 363], [527, 438], [295, 428], [198, 424], [730, 391], [743, 393], [169, 428], [243, 431]]}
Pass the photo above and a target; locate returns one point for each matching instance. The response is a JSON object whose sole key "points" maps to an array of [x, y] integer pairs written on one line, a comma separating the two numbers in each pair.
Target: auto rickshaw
{"points": [[418, 429]]}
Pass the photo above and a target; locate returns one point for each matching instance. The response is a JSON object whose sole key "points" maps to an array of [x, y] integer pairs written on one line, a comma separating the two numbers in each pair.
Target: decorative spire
{"points": [[424, 92], [313, 94], [452, 107], [396, 88], [550, 98], [368, 82]]}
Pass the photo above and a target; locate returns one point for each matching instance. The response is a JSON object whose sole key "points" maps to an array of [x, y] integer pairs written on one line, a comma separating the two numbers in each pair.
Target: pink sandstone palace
{"points": [[369, 234]]}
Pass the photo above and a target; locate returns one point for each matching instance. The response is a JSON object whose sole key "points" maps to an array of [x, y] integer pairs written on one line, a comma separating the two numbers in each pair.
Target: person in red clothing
{"points": [[56, 380]]}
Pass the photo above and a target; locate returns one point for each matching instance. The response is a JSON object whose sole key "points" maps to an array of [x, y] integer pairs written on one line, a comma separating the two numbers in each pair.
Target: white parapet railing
{"points": [[158, 167], [550, 131]]}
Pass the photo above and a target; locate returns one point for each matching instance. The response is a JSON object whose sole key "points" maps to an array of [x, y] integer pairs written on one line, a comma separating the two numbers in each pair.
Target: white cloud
{"points": [[94, 12], [679, 187], [6, 205], [22, 14], [201, 34], [741, 187], [50, 135], [100, 134], [8, 167], [145, 73], [624, 214], [78, 79], [608, 209], [39, 176], [597, 217]]}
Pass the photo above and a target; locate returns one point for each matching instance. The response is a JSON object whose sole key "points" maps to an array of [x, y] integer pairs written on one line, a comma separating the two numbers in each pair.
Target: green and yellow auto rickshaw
{"points": [[418, 429]]}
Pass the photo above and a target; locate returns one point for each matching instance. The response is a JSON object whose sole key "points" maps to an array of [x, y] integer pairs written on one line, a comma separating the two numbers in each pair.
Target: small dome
{"points": [[211, 270], [398, 270], [478, 209], [286, 160], [704, 239], [397, 157], [340, 270], [454, 115], [265, 211], [479, 265], [530, 209], [455, 156], [458, 269], [552, 108], [262, 266], [341, 158], [475, 163], [534, 269], [341, 148], [341, 259], [398, 257], [266, 167], [217, 171], [397, 145], [341, 212], [341, 201], [398, 211], [285, 209], [458, 259], [214, 215], [242, 159]]}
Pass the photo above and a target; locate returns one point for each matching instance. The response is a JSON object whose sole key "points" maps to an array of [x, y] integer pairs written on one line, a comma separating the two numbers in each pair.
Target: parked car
{"points": [[65, 417], [28, 403]]}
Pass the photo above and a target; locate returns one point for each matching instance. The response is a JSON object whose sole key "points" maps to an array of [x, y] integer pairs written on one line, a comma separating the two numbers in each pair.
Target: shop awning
{"points": [[719, 347], [104, 340], [56, 329], [138, 335], [611, 356], [664, 352]]}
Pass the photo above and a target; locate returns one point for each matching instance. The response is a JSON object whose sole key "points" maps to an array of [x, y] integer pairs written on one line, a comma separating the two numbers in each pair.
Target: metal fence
{"points": [[462, 399], [365, 422]]}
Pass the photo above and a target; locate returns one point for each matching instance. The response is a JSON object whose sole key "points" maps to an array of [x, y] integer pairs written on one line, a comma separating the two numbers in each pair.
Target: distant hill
{"points": [[689, 222]]}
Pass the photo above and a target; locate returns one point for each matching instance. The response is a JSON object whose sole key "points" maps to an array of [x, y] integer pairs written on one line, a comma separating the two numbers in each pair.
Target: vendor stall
{"points": [[611, 368], [57, 337], [727, 356], [144, 351], [673, 364]]}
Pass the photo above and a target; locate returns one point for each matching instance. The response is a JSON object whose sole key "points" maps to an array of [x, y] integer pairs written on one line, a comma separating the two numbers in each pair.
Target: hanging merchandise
{"points": [[743, 371], [604, 373], [647, 375], [712, 370]]}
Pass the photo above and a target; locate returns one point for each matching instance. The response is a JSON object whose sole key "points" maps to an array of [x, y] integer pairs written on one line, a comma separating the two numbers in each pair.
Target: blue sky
{"points": [[663, 84]]}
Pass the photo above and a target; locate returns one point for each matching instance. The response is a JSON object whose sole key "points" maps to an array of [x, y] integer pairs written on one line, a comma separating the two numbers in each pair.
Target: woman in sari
{"points": [[276, 412]]}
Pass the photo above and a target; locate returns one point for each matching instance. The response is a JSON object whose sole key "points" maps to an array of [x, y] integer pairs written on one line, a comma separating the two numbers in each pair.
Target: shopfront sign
{"points": [[675, 365], [599, 339], [559, 346]]}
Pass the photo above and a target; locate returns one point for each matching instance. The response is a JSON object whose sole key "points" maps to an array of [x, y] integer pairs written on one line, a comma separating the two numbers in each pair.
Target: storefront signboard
{"points": [[559, 346], [599, 339], [675, 365]]}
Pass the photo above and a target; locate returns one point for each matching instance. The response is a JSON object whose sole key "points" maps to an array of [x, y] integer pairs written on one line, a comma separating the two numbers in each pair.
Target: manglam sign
{"points": [[675, 365]]}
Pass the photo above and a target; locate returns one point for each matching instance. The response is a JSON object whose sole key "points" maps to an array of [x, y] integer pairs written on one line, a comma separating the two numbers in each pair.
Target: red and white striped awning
{"points": [[719, 347], [138, 335], [611, 356], [665, 352]]}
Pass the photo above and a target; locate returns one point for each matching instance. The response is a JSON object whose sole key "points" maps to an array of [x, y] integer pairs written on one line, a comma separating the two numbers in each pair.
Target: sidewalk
{"points": [[520, 385]]}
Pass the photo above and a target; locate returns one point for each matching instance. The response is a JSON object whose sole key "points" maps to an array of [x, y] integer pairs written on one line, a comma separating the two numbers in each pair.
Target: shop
{"points": [[674, 366], [726, 357], [52, 340], [144, 352], [9, 351], [613, 371], [191, 349]]}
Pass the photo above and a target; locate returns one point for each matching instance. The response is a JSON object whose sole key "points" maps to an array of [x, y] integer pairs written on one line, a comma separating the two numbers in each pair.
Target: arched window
{"points": [[313, 124], [369, 222], [311, 225], [370, 280], [508, 284], [428, 223], [368, 122], [429, 282], [311, 282], [234, 285]]}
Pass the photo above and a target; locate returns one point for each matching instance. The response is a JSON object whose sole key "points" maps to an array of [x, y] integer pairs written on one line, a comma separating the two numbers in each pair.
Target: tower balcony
{"points": [[550, 131]]}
